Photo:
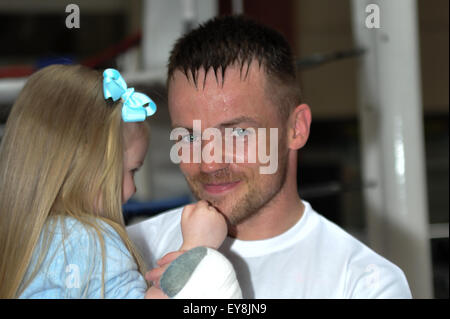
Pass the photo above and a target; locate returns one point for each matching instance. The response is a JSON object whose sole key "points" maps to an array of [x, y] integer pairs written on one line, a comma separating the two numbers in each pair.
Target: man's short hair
{"points": [[225, 41]]}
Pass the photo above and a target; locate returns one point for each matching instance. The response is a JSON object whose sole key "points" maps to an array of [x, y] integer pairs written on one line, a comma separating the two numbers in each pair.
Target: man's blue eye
{"points": [[190, 138], [240, 132]]}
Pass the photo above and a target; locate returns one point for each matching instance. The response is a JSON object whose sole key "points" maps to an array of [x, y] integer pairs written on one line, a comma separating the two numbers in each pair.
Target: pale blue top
{"points": [[73, 268]]}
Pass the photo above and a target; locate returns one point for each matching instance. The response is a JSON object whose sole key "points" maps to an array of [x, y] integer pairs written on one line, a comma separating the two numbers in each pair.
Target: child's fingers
{"points": [[147, 275], [154, 275], [188, 209], [204, 204], [155, 293], [168, 258], [201, 204], [209, 207]]}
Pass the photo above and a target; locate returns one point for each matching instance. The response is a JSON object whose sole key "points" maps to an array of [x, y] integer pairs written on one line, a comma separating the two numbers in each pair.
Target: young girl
{"points": [[67, 161]]}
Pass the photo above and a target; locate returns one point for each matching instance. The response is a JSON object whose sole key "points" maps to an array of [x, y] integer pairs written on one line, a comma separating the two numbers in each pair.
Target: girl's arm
{"points": [[197, 270], [73, 266], [201, 225]]}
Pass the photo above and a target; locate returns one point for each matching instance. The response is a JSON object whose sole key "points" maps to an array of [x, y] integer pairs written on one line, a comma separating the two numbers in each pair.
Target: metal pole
{"points": [[237, 6], [392, 139], [165, 21]]}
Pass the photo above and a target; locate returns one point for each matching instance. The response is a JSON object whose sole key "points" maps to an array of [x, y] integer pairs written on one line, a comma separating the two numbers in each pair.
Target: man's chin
{"points": [[229, 204], [232, 209], [219, 203]]}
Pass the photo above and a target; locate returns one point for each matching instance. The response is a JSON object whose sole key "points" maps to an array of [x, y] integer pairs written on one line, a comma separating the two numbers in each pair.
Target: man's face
{"points": [[239, 104]]}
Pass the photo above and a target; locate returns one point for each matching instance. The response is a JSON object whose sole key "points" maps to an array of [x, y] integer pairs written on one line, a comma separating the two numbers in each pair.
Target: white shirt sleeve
{"points": [[377, 280]]}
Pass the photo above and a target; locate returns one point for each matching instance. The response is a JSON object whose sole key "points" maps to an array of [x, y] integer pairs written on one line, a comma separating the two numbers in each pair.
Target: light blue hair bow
{"points": [[133, 109]]}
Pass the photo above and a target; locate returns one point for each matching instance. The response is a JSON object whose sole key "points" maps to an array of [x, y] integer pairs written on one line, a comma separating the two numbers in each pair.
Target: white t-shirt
{"points": [[313, 259]]}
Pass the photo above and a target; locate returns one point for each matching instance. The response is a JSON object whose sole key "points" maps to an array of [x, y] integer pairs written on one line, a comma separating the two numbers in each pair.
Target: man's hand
{"points": [[202, 225]]}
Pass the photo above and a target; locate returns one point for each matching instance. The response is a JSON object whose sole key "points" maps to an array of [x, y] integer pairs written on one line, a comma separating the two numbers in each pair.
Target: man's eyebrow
{"points": [[239, 120], [175, 126], [232, 122]]}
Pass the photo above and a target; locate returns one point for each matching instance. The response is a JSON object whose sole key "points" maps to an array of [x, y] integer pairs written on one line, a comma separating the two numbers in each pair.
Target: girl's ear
{"points": [[299, 125]]}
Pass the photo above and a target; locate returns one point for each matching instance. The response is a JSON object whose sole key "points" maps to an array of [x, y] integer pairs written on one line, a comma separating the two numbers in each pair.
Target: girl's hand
{"points": [[155, 274], [202, 225], [155, 293]]}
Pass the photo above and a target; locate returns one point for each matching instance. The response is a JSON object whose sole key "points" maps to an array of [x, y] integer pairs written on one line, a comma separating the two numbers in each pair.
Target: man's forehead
{"points": [[216, 110], [216, 104]]}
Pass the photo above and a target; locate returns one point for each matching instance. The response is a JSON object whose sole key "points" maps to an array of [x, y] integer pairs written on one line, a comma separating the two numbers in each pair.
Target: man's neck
{"points": [[275, 218]]}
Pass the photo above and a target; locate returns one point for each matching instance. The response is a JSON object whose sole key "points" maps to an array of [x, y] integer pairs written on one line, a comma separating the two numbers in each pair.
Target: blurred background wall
{"points": [[136, 35]]}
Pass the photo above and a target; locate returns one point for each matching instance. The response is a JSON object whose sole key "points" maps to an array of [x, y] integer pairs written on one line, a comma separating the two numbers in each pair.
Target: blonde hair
{"points": [[61, 156]]}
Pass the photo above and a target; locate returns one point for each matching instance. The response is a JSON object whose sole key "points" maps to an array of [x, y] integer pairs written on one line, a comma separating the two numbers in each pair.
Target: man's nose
{"points": [[212, 167], [216, 159]]}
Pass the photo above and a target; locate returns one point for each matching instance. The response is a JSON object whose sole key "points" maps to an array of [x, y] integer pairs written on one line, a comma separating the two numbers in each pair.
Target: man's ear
{"points": [[299, 124]]}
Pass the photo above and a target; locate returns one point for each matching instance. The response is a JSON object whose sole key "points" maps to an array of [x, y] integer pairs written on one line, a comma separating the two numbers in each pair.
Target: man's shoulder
{"points": [[345, 244], [368, 274]]}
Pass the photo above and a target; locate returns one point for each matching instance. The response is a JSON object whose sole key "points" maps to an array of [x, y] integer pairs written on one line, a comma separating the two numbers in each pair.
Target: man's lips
{"points": [[219, 187]]}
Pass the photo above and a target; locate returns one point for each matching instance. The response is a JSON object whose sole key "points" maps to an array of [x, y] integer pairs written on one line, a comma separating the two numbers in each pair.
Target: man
{"points": [[238, 77]]}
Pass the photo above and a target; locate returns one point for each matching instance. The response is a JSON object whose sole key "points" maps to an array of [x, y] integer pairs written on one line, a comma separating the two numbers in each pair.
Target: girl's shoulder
{"points": [[84, 241], [74, 227]]}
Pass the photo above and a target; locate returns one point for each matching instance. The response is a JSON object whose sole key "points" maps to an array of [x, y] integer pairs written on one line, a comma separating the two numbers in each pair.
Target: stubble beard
{"points": [[248, 205]]}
